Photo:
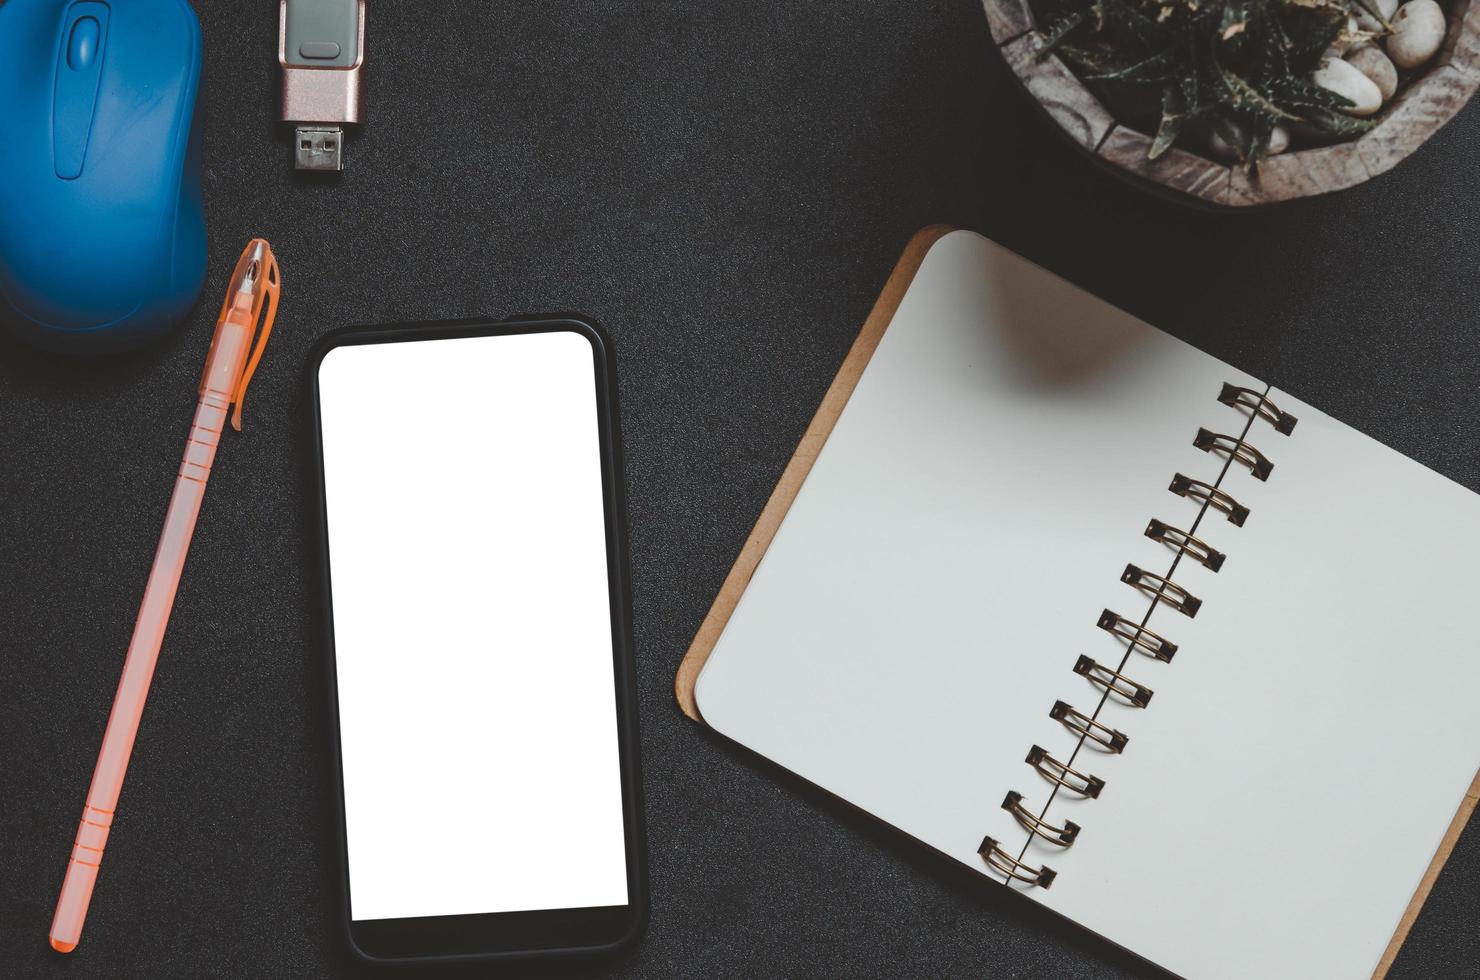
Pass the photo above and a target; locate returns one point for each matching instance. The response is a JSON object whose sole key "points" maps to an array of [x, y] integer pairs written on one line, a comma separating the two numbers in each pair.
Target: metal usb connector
{"points": [[318, 148], [321, 48]]}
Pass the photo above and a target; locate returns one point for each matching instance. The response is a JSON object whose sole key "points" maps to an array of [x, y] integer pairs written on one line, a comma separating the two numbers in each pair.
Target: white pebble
{"points": [[1220, 147], [1418, 33], [1369, 23], [1344, 79], [1370, 61]]}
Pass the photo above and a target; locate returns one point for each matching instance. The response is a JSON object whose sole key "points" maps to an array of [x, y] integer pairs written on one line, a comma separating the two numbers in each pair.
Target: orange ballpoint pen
{"points": [[252, 297]]}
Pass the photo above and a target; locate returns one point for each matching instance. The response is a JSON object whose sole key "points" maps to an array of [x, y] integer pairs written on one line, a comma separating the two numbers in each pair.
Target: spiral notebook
{"points": [[1111, 622]]}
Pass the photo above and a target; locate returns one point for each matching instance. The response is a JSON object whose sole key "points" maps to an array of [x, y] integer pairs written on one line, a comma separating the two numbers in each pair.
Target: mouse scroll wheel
{"points": [[82, 46]]}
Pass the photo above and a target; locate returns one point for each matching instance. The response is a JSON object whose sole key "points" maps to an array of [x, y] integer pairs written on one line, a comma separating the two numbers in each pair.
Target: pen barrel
{"points": [[228, 354], [138, 670], [82, 874], [200, 447]]}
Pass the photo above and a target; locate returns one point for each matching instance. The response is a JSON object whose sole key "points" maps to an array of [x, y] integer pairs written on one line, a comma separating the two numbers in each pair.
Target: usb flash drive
{"points": [[321, 47]]}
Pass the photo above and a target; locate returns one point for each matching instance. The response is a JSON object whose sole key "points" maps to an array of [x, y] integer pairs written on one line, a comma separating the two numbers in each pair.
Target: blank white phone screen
{"points": [[472, 626]]}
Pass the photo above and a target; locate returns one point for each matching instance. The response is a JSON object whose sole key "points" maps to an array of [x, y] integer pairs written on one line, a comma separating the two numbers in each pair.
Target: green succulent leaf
{"points": [[1310, 33], [1092, 61], [1338, 123], [1150, 33], [1299, 94], [1056, 33], [1371, 8], [1189, 84], [1245, 96], [1233, 26], [1261, 132], [1158, 67], [1174, 116], [1271, 52]]}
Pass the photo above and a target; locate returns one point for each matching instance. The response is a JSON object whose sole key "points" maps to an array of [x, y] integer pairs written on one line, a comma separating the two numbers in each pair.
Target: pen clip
{"points": [[264, 311]]}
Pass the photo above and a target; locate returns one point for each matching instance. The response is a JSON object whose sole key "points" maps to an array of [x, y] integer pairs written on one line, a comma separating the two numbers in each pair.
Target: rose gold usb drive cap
{"points": [[321, 48]]}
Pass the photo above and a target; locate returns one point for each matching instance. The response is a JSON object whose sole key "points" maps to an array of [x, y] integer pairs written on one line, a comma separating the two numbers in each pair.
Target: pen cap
{"points": [[251, 298]]}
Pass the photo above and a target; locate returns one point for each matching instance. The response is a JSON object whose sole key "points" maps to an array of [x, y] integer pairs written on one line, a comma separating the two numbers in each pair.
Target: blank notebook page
{"points": [[944, 565]]}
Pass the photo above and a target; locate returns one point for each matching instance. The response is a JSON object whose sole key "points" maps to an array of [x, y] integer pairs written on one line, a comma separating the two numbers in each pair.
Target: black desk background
{"points": [[725, 186]]}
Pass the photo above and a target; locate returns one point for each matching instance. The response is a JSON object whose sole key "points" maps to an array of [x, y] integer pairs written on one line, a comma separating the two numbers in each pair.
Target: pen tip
{"points": [[254, 267]]}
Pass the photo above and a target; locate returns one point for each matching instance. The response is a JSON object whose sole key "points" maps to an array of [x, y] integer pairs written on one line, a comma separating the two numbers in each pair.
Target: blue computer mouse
{"points": [[102, 234]]}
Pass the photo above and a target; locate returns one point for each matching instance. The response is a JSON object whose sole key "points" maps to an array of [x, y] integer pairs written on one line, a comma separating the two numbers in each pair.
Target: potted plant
{"points": [[1236, 103]]}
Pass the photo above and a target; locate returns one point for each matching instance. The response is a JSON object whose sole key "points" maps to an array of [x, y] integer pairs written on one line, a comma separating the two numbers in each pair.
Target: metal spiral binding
{"points": [[1006, 864], [1062, 836], [1232, 395], [1216, 442], [1138, 637], [1162, 589], [1221, 500], [1087, 728], [1193, 547], [1113, 680], [1056, 772], [1132, 693]]}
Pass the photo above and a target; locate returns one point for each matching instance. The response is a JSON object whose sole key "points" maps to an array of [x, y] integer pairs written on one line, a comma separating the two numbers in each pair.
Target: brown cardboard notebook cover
{"points": [[796, 474]]}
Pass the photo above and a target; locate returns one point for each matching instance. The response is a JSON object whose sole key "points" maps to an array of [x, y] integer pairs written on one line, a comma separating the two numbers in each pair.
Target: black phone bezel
{"points": [[501, 935]]}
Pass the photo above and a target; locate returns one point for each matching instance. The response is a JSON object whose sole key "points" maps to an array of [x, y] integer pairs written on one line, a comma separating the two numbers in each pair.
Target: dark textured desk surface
{"points": [[725, 186]]}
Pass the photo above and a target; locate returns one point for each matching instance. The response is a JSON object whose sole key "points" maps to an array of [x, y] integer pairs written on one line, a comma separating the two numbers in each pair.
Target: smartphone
{"points": [[479, 654]]}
